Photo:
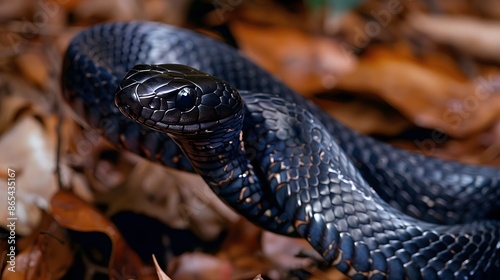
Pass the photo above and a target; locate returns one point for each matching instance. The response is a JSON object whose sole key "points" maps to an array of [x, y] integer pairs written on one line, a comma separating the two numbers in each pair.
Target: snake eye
{"points": [[185, 99]]}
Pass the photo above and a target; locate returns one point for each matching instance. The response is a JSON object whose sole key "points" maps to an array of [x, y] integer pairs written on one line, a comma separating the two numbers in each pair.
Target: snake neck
{"points": [[214, 152], [225, 164]]}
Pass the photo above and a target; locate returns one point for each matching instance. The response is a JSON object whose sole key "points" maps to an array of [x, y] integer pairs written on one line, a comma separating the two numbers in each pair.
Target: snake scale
{"points": [[373, 211]]}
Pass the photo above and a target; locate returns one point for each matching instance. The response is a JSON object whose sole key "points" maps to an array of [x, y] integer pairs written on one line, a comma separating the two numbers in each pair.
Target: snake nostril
{"points": [[126, 110], [128, 102], [127, 105]]}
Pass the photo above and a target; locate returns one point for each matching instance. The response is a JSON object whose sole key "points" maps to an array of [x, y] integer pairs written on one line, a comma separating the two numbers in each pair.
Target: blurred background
{"points": [[423, 75]]}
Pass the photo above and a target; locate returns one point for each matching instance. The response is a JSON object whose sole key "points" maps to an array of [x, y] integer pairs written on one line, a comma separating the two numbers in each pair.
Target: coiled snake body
{"points": [[280, 161]]}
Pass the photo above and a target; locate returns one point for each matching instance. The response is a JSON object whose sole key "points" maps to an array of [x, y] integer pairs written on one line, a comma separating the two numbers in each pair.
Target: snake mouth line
{"points": [[126, 110]]}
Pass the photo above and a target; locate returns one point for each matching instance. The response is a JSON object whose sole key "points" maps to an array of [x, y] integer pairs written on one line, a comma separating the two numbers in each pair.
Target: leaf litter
{"points": [[425, 66]]}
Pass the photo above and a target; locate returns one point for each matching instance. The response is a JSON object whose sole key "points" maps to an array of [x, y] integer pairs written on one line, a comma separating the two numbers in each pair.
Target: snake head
{"points": [[176, 99]]}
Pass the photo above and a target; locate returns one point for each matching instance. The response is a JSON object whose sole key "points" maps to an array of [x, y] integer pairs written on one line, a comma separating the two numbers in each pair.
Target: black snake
{"points": [[281, 162]]}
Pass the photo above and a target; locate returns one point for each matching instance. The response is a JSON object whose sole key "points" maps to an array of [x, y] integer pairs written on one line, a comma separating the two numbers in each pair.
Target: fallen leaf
{"points": [[258, 277], [242, 239], [283, 250], [365, 116], [306, 63], [201, 266], [331, 274], [171, 12], [116, 10], [33, 67], [28, 148], [243, 249], [428, 96], [12, 10], [48, 255], [67, 4], [12, 108], [17, 99], [179, 199], [72, 212], [489, 8], [478, 37], [293, 15]]}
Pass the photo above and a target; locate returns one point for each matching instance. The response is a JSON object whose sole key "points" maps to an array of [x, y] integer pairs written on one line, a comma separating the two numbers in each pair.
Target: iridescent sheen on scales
{"points": [[281, 162]]}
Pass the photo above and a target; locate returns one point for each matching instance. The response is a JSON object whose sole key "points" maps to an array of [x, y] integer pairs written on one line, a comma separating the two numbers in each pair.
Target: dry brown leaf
{"points": [[18, 98], [445, 6], [67, 4], [306, 63], [492, 153], [200, 266], [72, 212], [283, 250], [428, 96], [365, 118], [118, 10], [331, 274], [178, 199], [171, 12], [490, 8], [242, 248], [257, 11], [29, 149], [14, 9], [479, 149], [243, 239], [48, 255], [28, 140], [472, 35], [34, 67], [12, 108]]}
